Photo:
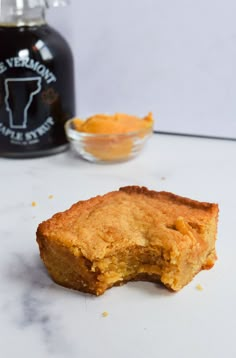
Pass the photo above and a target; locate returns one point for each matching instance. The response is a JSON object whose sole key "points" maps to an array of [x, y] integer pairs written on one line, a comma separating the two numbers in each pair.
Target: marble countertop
{"points": [[40, 319]]}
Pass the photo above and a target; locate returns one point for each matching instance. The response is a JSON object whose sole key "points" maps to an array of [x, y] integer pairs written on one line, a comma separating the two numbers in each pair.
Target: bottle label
{"points": [[27, 99]]}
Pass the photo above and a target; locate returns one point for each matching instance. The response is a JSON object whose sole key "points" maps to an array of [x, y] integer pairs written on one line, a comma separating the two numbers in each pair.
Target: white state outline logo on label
{"points": [[32, 94]]}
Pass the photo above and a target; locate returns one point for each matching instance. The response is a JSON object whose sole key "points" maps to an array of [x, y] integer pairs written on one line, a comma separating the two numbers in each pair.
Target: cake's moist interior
{"points": [[169, 265]]}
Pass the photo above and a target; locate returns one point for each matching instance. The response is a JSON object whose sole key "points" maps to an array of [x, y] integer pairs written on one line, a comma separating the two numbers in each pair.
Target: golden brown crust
{"points": [[170, 197], [84, 246]]}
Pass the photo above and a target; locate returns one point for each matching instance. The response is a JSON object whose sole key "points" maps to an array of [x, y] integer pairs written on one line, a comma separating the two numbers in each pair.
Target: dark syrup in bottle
{"points": [[36, 90]]}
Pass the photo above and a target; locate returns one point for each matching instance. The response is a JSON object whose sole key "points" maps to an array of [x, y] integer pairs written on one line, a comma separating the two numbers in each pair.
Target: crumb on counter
{"points": [[163, 178], [105, 314], [33, 203], [199, 287], [50, 196]]}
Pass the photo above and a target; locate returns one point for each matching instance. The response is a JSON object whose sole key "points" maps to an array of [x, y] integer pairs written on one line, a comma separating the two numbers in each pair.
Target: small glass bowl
{"points": [[106, 148]]}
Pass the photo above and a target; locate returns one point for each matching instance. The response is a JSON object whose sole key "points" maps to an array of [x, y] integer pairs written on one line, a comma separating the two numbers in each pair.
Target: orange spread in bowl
{"points": [[122, 128], [118, 123]]}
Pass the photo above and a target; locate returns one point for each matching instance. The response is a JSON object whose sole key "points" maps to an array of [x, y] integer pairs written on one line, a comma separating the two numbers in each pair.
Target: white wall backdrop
{"points": [[176, 58]]}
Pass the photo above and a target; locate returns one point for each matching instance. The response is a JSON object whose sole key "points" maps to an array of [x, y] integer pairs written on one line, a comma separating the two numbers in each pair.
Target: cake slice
{"points": [[130, 234]]}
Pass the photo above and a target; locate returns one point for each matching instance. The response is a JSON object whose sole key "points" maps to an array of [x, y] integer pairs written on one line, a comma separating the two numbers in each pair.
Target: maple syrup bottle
{"points": [[36, 81]]}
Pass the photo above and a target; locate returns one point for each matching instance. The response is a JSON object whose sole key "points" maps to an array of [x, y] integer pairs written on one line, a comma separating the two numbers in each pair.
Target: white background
{"points": [[175, 58]]}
